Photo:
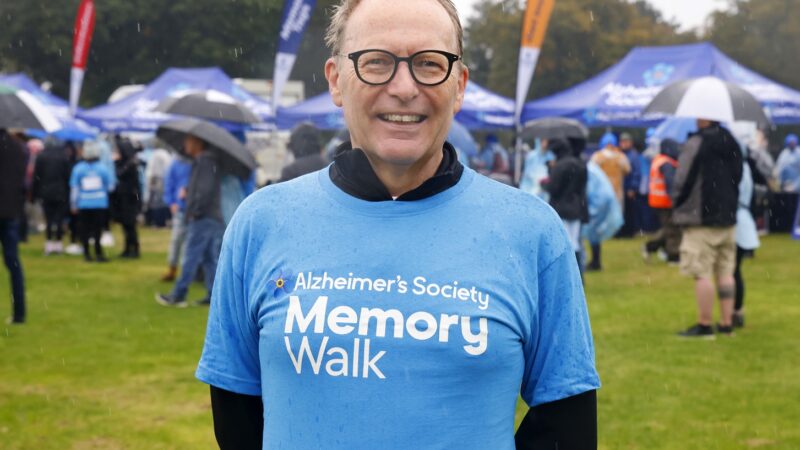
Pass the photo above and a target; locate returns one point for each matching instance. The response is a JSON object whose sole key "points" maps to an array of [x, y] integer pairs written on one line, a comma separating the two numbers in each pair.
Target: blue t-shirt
{"points": [[367, 325], [89, 185]]}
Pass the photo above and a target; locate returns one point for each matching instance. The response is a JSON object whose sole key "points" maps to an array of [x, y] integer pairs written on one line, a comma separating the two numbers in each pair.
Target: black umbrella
{"points": [[707, 98], [554, 128], [234, 157], [19, 109], [211, 104]]}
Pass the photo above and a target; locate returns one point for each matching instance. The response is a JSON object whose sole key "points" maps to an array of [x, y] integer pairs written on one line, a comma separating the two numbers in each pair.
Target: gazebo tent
{"points": [[135, 112], [616, 96], [482, 110]]}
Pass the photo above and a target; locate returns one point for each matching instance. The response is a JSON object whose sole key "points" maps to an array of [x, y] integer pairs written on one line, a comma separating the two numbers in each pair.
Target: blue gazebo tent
{"points": [[482, 110], [72, 129], [616, 96], [135, 112]]}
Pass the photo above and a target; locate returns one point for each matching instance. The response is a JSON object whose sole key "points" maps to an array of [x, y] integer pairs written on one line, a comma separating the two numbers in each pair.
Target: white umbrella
{"points": [[707, 98]]}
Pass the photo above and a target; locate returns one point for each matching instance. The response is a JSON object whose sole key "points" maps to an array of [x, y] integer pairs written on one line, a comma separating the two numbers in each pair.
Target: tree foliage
{"points": [[136, 40], [583, 38], [762, 35]]}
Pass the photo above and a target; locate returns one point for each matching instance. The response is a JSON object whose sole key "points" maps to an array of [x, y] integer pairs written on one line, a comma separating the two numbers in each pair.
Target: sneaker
{"points": [[645, 253], [725, 331], [168, 300], [107, 239], [737, 320], [204, 302], [698, 331], [74, 249], [662, 255]]}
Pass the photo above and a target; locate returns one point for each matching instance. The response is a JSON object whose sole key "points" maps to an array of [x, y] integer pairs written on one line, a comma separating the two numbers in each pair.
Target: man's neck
{"points": [[401, 179]]}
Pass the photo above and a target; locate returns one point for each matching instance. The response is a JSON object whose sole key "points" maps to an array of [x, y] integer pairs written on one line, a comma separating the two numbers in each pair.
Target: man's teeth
{"points": [[403, 118]]}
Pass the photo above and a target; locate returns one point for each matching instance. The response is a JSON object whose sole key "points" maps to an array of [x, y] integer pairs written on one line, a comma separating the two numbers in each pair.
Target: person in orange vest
{"points": [[662, 174]]}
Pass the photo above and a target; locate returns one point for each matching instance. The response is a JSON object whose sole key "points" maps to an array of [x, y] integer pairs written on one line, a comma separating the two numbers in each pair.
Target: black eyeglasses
{"points": [[428, 67]]}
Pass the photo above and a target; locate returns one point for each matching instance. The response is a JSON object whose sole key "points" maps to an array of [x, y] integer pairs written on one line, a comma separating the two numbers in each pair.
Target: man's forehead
{"points": [[379, 24]]}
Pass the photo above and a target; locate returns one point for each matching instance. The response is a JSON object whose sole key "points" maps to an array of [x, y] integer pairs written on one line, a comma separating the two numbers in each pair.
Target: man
{"points": [[12, 199], [567, 188], [305, 145], [204, 224], [662, 179], [705, 199], [51, 187], [631, 183], [175, 197], [348, 309]]}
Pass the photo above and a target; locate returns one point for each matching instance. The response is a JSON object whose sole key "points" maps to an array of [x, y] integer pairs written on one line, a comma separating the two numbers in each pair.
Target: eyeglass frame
{"points": [[451, 59]]}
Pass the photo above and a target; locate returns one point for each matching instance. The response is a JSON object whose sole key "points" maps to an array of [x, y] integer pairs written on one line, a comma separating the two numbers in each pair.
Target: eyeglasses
{"points": [[428, 67]]}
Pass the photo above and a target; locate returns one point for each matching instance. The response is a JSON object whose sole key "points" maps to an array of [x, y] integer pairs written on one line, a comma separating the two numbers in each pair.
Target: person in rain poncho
{"points": [[605, 214], [536, 169], [614, 163], [787, 168]]}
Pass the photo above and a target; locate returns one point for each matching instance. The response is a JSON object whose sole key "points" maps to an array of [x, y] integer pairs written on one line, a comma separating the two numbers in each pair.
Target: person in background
{"points": [[746, 238], [204, 223], [662, 177], [605, 214], [306, 146], [537, 168], [175, 183], [630, 184], [494, 161], [51, 188], [89, 184], [127, 197], [154, 174], [567, 188], [705, 198], [615, 165], [787, 168], [12, 198]]}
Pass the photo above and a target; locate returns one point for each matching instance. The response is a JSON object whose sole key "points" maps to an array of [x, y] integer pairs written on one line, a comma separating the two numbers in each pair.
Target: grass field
{"points": [[100, 365]]}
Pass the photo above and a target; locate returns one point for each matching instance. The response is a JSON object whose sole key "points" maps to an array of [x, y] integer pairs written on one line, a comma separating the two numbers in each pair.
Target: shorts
{"points": [[708, 252]]}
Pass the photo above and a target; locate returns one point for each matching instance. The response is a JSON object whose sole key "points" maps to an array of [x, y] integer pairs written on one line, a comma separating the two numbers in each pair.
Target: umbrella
{"points": [[554, 128], [19, 109], [234, 157], [707, 98], [211, 104]]}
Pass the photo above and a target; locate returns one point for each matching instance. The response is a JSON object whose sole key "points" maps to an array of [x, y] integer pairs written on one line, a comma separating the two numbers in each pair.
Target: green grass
{"points": [[101, 366]]}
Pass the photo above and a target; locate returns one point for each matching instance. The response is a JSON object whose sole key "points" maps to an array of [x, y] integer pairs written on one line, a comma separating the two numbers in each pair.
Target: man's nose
{"points": [[403, 85]]}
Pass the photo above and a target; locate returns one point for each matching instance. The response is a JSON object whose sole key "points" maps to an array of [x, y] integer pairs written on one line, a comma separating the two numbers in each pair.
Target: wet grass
{"points": [[101, 366]]}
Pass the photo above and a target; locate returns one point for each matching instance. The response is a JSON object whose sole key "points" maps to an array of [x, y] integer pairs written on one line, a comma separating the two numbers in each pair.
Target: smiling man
{"points": [[397, 299]]}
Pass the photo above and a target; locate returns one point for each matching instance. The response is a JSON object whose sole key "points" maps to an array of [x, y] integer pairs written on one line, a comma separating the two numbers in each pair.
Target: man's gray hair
{"points": [[342, 12]]}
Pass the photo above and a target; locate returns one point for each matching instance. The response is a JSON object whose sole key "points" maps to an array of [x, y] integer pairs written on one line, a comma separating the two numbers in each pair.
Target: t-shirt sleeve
{"points": [[559, 354], [230, 354]]}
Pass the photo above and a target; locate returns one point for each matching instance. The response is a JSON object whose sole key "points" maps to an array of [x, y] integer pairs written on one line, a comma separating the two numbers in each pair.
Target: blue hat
{"points": [[608, 138], [791, 138]]}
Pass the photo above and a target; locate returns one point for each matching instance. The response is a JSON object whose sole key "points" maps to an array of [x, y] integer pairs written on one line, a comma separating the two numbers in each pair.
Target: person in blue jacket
{"points": [[90, 183], [175, 198]]}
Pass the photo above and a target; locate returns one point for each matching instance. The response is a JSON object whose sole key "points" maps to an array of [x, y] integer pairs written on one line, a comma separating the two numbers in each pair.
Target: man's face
{"points": [[625, 144], [192, 146], [401, 124]]}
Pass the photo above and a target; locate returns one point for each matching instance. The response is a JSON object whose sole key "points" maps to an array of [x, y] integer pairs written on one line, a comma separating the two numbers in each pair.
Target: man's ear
{"points": [[332, 75], [463, 77]]}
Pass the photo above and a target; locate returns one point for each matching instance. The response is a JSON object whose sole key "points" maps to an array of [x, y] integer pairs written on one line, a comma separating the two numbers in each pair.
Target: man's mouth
{"points": [[401, 118]]}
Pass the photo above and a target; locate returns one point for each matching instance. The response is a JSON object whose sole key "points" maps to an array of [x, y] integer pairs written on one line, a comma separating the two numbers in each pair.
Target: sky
{"points": [[688, 13]]}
